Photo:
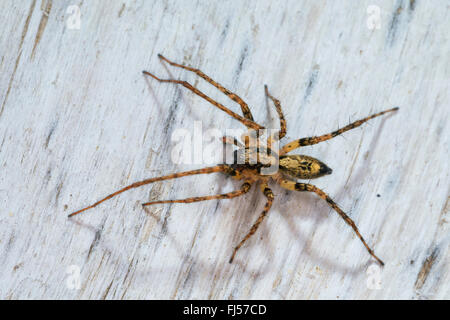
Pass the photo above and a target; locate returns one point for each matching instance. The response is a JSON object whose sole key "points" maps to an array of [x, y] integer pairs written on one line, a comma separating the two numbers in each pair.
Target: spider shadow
{"points": [[248, 215], [167, 110], [361, 174], [180, 92], [190, 259], [222, 268], [119, 260], [358, 177]]}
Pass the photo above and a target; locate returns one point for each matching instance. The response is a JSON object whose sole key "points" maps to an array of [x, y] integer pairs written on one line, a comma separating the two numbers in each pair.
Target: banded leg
{"points": [[232, 140], [248, 123], [277, 104], [247, 137], [245, 109], [244, 189], [292, 185], [313, 140], [269, 195], [220, 168]]}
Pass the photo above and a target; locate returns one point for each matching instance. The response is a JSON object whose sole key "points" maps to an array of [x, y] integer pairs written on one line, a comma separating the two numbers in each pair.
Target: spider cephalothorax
{"points": [[255, 164]]}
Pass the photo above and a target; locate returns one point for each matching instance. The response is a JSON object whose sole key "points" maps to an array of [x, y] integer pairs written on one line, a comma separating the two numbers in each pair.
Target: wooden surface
{"points": [[79, 120]]}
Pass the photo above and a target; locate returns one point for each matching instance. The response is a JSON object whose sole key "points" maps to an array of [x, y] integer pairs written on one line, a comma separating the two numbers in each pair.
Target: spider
{"points": [[291, 167]]}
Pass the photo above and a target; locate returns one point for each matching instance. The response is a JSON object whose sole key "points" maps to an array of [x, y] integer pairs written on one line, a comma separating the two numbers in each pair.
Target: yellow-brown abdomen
{"points": [[303, 167]]}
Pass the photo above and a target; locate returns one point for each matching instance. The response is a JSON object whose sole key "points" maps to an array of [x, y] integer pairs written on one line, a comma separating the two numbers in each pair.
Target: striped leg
{"points": [[313, 140], [292, 185], [269, 195], [232, 140], [248, 123], [220, 168], [277, 104], [245, 109], [244, 189]]}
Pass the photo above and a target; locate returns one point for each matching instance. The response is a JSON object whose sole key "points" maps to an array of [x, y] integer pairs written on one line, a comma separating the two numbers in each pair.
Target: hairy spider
{"points": [[291, 166]]}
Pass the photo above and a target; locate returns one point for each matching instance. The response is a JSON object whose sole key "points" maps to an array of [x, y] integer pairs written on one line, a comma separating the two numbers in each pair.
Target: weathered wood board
{"points": [[78, 120]]}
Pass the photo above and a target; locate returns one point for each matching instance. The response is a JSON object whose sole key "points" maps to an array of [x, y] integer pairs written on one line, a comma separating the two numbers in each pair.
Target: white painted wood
{"points": [[78, 120]]}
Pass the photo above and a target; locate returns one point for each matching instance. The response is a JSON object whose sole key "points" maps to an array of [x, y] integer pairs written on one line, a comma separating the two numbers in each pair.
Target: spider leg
{"points": [[248, 123], [277, 104], [313, 140], [220, 168], [269, 195], [245, 109], [232, 140], [292, 185], [244, 189]]}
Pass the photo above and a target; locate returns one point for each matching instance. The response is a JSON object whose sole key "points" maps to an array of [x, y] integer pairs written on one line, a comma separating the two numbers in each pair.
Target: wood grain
{"points": [[78, 120]]}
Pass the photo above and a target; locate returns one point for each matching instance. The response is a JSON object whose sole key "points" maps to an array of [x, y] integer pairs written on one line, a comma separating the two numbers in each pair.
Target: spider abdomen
{"points": [[303, 167]]}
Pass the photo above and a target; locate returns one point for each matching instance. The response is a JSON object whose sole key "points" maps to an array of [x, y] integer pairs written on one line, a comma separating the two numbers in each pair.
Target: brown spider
{"points": [[291, 166]]}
